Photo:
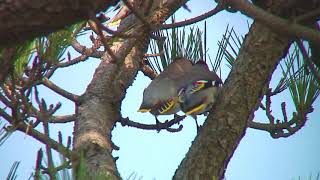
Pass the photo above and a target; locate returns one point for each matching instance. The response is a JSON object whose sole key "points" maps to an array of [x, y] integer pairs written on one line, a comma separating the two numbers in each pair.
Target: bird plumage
{"points": [[184, 86], [198, 96], [161, 96]]}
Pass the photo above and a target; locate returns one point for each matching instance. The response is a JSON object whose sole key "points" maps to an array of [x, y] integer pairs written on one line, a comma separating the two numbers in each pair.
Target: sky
{"points": [[153, 155]]}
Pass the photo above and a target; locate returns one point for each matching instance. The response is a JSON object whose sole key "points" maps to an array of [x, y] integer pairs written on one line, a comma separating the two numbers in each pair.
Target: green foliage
{"points": [[4, 134], [303, 86], [50, 48], [13, 171], [311, 177], [229, 47], [174, 43], [53, 46], [23, 54]]}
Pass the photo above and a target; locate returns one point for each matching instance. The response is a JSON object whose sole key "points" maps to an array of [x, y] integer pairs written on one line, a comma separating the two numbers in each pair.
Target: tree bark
{"points": [[24, 20], [226, 124], [100, 106], [6, 62], [243, 90]]}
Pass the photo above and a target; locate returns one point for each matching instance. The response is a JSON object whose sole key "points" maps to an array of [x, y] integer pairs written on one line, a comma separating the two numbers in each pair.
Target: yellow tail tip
{"points": [[114, 23], [196, 109], [143, 110]]}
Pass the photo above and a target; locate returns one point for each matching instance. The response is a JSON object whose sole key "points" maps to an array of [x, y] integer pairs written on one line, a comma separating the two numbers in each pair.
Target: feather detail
{"points": [[197, 109], [166, 106]]}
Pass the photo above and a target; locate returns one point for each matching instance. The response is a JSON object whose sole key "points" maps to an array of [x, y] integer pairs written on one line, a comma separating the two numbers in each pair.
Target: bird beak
{"points": [[144, 110]]}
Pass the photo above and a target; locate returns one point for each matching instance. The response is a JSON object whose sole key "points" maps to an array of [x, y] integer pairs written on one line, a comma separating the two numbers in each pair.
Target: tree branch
{"points": [[160, 126], [218, 8], [306, 57], [147, 71], [277, 24], [240, 97], [99, 108], [29, 19], [62, 119], [282, 129], [23, 127], [59, 90]]}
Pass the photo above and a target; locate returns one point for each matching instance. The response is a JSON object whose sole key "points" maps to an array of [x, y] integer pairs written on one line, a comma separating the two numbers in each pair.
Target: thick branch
{"points": [[100, 106], [277, 24], [6, 62], [225, 126], [25, 20]]}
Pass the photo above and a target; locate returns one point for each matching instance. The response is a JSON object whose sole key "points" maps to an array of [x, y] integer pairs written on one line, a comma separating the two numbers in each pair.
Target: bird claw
{"points": [[158, 125]]}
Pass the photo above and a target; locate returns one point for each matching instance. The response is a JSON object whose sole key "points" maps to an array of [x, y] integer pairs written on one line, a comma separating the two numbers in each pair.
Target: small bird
{"points": [[198, 96], [161, 96]]}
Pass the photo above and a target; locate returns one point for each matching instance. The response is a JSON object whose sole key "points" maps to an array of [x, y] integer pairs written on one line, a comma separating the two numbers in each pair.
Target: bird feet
{"points": [[158, 125]]}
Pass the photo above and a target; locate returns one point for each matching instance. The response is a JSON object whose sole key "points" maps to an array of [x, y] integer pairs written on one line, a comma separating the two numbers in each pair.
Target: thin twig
{"points": [[21, 126], [285, 128], [92, 52], [160, 126], [38, 164], [48, 151], [153, 55], [149, 72], [309, 62], [59, 90], [63, 166], [218, 8], [268, 106], [276, 23], [62, 119], [100, 33]]}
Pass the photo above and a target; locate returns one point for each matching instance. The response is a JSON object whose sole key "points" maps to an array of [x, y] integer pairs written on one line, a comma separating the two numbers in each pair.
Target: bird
{"points": [[161, 95], [198, 96]]}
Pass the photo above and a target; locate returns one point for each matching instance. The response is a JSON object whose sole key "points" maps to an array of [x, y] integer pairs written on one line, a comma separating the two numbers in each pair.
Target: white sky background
{"points": [[155, 155]]}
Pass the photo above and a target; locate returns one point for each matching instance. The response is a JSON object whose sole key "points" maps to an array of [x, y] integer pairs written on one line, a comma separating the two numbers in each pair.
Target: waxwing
{"points": [[161, 96], [198, 96]]}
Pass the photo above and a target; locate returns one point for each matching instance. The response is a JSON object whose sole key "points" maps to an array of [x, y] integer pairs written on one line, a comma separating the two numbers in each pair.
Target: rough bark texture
{"points": [[100, 106], [6, 62], [226, 124], [25, 19]]}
